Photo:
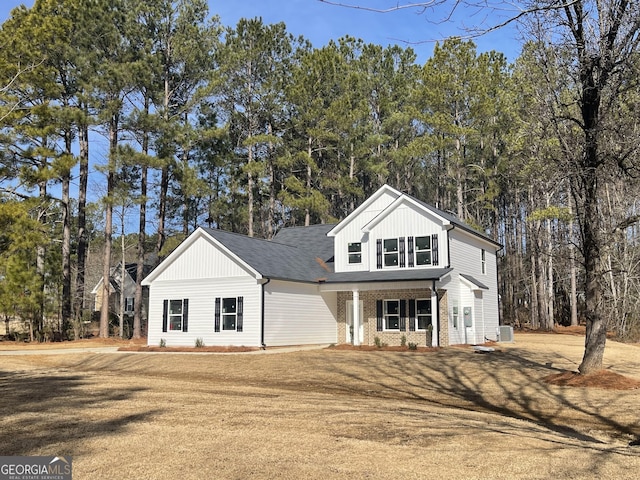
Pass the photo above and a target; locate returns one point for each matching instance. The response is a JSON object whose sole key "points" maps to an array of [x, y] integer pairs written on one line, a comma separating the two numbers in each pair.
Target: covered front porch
{"points": [[391, 313]]}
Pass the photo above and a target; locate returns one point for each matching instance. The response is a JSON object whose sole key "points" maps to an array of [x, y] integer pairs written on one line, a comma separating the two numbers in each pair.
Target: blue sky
{"points": [[320, 22]]}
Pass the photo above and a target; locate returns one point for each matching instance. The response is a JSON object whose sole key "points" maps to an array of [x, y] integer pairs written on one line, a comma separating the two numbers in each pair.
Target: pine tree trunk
{"points": [[82, 229], [66, 244], [108, 229]]}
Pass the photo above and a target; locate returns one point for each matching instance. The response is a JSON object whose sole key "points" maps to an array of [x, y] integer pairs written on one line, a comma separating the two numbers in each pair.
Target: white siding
{"points": [[466, 258], [203, 259], [352, 232], [405, 221], [201, 294], [298, 314]]}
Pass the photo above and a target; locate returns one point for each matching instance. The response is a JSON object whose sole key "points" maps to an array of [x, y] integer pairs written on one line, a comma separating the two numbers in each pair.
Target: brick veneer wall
{"points": [[369, 298]]}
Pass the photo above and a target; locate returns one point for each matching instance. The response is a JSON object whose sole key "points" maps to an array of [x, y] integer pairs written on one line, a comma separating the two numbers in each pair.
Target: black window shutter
{"points": [[217, 318], [379, 252], [412, 315], [434, 249], [165, 313], [239, 314], [379, 315], [403, 315], [402, 256], [185, 315], [410, 251]]}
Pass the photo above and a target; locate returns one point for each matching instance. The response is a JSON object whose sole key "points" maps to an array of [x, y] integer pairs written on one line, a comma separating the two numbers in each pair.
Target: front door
{"points": [[349, 307]]}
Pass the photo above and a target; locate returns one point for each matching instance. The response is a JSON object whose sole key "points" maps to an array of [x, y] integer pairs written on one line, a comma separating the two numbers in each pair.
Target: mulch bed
{"points": [[604, 379], [143, 348]]}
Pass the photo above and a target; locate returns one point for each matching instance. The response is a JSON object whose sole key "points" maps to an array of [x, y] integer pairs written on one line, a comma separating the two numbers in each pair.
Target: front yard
{"points": [[450, 413]]}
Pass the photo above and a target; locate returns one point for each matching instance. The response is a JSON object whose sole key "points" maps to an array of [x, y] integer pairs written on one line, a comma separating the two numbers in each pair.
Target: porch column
{"points": [[356, 317], [435, 315]]}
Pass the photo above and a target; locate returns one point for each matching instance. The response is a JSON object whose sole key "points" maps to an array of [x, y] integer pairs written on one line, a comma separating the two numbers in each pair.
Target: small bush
{"points": [[413, 346], [403, 341], [163, 343], [199, 342], [377, 341]]}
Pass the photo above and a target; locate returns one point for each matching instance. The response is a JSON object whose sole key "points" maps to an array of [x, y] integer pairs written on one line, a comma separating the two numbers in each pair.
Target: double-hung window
{"points": [[128, 304], [423, 314], [392, 314], [484, 262], [423, 250], [228, 314], [355, 252], [391, 252], [175, 314]]}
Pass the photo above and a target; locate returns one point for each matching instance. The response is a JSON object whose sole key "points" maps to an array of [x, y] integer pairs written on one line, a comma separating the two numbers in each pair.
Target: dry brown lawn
{"points": [[330, 414]]}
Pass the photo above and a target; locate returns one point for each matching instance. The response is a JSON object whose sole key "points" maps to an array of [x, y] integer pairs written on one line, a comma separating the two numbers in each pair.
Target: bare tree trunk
{"points": [[142, 235], [123, 272], [572, 267], [108, 228], [82, 229], [66, 241]]}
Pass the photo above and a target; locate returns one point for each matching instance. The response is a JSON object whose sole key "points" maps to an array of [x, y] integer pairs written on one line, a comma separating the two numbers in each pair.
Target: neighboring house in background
{"points": [[394, 268], [118, 292]]}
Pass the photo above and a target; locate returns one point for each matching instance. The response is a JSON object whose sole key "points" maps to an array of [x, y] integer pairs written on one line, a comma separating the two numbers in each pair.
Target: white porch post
{"points": [[356, 317], [435, 315]]}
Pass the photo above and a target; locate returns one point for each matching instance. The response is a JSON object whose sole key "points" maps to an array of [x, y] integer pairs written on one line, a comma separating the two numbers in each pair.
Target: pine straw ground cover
{"points": [[447, 414]]}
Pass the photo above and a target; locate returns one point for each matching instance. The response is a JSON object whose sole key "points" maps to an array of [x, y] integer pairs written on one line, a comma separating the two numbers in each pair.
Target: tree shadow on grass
{"points": [[41, 411], [507, 383]]}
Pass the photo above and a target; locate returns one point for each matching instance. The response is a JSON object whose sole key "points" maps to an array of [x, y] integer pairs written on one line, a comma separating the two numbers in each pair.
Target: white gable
{"points": [[369, 209], [200, 256]]}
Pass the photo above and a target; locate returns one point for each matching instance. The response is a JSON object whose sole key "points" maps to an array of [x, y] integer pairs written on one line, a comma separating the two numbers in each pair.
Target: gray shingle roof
{"points": [[471, 279], [312, 238], [272, 259], [455, 221], [411, 274]]}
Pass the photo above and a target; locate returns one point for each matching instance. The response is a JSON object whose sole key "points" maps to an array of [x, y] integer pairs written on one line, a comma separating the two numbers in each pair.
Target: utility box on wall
{"points": [[466, 313]]}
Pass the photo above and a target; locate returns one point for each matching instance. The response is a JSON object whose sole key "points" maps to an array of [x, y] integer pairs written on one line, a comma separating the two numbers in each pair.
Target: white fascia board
{"points": [[97, 288], [399, 201], [383, 189], [198, 233]]}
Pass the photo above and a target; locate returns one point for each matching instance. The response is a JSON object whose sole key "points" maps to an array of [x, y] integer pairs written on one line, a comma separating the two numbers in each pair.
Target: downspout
{"points": [[262, 344], [437, 312]]}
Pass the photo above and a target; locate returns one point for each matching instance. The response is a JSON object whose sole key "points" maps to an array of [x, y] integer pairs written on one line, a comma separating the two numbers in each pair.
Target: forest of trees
{"points": [[148, 118]]}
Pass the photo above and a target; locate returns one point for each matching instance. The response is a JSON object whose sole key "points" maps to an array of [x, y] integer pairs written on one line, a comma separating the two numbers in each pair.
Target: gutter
{"points": [[437, 314], [262, 344]]}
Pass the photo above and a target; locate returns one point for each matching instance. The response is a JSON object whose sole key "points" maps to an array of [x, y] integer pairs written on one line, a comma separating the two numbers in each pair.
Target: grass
{"points": [[326, 413]]}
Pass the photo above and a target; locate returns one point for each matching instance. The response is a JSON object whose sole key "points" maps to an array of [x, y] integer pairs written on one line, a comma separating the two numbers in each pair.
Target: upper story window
{"points": [[407, 251], [484, 262], [391, 252], [423, 250], [128, 304], [355, 252]]}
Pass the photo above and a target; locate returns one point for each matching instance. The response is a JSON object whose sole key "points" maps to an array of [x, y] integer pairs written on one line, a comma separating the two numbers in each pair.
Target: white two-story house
{"points": [[395, 270]]}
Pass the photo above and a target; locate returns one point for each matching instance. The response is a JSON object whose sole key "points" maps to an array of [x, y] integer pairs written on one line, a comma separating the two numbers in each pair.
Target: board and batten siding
{"points": [[203, 259], [466, 258], [408, 221], [352, 232], [201, 294], [299, 314]]}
